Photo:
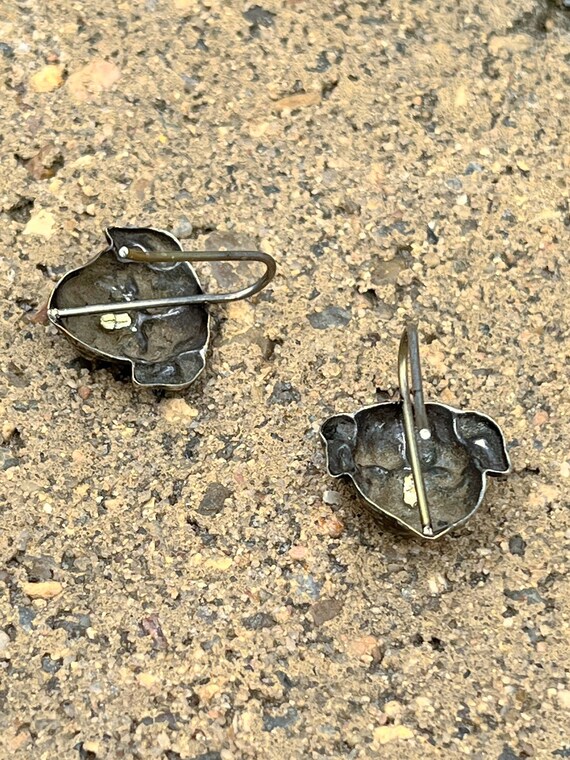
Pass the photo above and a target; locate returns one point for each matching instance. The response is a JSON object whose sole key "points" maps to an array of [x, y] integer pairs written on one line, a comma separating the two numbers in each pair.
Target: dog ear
{"points": [[181, 371], [339, 433], [484, 441]]}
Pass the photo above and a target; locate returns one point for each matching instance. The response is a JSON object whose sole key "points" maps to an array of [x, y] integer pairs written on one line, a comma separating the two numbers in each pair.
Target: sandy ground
{"points": [[208, 591]]}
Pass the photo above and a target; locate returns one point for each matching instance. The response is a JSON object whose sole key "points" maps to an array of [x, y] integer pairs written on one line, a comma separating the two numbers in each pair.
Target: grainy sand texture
{"points": [[180, 578]]}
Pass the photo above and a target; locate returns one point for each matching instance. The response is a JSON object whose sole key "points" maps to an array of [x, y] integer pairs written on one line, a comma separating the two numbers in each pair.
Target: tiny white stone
{"points": [[410, 495], [4, 641]]}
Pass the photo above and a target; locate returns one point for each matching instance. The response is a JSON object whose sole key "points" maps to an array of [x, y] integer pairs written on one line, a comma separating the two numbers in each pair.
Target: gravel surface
{"points": [[179, 576]]}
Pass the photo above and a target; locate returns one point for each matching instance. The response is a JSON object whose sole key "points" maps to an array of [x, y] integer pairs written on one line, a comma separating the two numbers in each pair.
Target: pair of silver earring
{"points": [[422, 466]]}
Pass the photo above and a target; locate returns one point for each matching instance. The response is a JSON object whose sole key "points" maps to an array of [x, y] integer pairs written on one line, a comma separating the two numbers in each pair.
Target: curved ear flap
{"points": [[339, 433], [149, 238], [484, 441], [181, 371]]}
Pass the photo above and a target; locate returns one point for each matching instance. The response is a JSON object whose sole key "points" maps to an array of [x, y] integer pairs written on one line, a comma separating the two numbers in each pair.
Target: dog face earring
{"points": [[140, 303], [423, 465]]}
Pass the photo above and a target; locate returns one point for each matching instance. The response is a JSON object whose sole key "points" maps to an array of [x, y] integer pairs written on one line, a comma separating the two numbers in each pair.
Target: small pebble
{"points": [[42, 589], [517, 545], [4, 641], [47, 79], [219, 563], [91, 746], [301, 100], [298, 553], [40, 225], [284, 393], [454, 184], [258, 621], [326, 610], [88, 82], [214, 499], [365, 645], [8, 431], [177, 410], [332, 316], [390, 733], [393, 709], [148, 680], [183, 228], [334, 527]]}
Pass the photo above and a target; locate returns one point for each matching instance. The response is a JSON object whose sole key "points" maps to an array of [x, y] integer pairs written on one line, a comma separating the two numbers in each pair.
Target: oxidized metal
{"points": [[423, 465], [140, 302]]}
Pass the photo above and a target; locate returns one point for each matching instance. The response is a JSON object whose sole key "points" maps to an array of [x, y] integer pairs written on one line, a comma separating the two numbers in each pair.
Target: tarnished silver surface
{"points": [[165, 346], [455, 451], [140, 302]]}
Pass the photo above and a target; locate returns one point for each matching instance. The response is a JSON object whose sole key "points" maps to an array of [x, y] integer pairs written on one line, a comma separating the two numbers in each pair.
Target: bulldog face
{"points": [[164, 346], [370, 447]]}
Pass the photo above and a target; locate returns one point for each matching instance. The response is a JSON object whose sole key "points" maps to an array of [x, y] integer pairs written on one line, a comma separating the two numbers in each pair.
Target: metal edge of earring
{"points": [[87, 350], [376, 509]]}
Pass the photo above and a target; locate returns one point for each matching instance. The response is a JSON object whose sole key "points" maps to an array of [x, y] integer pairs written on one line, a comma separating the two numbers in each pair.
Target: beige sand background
{"points": [[209, 593]]}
